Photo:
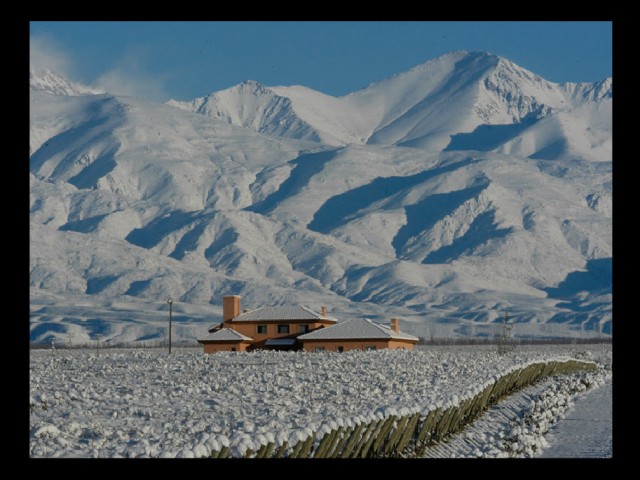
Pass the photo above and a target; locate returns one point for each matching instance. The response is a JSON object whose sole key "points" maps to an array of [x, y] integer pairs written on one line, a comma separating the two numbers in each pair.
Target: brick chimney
{"points": [[323, 311], [230, 307], [395, 324]]}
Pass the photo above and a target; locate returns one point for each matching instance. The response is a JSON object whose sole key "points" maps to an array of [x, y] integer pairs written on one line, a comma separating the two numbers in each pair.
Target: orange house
{"points": [[298, 328], [275, 328], [358, 334]]}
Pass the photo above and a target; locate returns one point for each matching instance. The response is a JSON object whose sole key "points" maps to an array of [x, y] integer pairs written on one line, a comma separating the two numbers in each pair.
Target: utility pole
{"points": [[170, 302]]}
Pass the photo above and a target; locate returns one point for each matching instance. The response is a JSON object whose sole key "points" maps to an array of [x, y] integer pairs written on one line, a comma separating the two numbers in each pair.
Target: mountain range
{"points": [[446, 195]]}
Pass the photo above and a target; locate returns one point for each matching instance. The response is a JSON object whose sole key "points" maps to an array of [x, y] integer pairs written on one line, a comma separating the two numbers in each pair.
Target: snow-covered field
{"points": [[145, 403]]}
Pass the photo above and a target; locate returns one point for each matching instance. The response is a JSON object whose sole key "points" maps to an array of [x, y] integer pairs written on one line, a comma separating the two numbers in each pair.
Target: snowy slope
{"points": [[380, 203]]}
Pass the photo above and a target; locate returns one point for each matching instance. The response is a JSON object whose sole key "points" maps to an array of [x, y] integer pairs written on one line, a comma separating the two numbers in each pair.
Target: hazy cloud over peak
{"points": [[45, 52], [129, 77], [126, 77]]}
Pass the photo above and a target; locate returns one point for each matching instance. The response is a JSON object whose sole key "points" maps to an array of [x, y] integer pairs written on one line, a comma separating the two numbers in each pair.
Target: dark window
{"points": [[283, 328], [233, 349], [262, 329], [303, 328], [341, 349]]}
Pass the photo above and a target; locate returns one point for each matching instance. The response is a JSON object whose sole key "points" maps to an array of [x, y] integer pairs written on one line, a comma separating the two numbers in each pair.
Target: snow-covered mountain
{"points": [[446, 195], [459, 101], [47, 80]]}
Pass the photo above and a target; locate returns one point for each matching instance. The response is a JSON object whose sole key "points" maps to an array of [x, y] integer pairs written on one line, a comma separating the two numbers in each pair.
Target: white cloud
{"points": [[130, 78], [45, 52]]}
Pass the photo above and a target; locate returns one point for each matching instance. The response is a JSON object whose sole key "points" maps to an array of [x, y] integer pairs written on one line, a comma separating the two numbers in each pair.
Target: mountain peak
{"points": [[250, 87], [49, 81]]}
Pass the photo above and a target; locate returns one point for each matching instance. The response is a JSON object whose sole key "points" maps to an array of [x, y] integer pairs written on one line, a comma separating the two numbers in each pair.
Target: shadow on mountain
{"points": [[226, 238], [152, 233], [79, 139], [97, 285], [597, 279], [101, 166], [587, 311], [489, 137], [189, 241], [305, 167], [46, 327], [426, 213], [151, 336], [136, 288], [482, 230], [339, 208], [83, 226], [68, 138], [92, 326], [552, 151]]}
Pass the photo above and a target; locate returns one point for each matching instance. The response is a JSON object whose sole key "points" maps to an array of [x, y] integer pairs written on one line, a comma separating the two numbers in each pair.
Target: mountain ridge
{"points": [[506, 94]]}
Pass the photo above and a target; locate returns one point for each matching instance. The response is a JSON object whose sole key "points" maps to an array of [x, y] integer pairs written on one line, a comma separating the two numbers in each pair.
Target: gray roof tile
{"points": [[358, 329], [225, 335], [273, 314]]}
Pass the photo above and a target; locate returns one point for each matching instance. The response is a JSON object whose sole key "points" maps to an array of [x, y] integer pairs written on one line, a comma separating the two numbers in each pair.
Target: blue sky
{"points": [[185, 60]]}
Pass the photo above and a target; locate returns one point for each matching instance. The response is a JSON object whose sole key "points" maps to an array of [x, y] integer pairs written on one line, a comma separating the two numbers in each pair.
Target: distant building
{"points": [[297, 328]]}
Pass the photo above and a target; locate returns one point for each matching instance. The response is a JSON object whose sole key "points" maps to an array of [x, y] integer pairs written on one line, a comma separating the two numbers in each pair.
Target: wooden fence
{"points": [[388, 436]]}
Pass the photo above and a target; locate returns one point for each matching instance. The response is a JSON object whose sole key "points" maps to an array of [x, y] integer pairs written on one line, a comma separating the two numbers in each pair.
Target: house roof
{"points": [[358, 329], [225, 335], [273, 314]]}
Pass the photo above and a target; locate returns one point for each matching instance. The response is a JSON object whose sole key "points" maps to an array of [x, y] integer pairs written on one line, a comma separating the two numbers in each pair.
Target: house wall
{"points": [[333, 345], [250, 329], [225, 347]]}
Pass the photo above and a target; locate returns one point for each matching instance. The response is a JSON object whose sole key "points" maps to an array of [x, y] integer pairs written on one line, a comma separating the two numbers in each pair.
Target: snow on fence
{"points": [[387, 432]]}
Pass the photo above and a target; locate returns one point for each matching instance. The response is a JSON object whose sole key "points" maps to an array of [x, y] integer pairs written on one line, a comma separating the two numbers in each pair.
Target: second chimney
{"points": [[323, 311], [395, 324], [230, 307]]}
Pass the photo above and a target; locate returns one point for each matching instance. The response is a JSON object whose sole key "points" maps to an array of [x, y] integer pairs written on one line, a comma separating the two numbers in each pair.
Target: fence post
{"points": [[363, 439], [342, 442], [383, 433], [373, 436], [348, 448], [281, 450]]}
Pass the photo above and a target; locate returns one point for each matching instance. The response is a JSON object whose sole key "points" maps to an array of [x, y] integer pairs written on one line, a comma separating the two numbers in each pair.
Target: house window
{"points": [[341, 349], [283, 328], [233, 349], [303, 328], [372, 347], [262, 329], [318, 349]]}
